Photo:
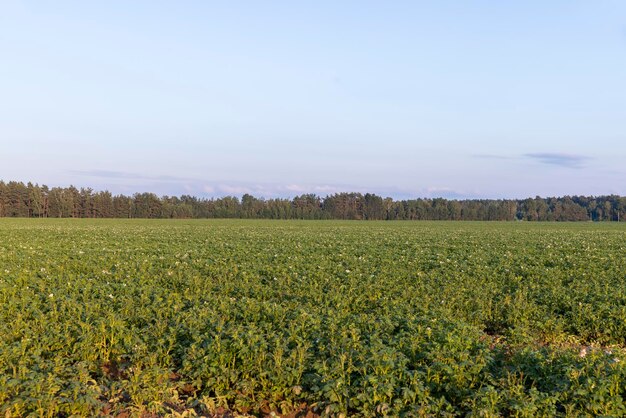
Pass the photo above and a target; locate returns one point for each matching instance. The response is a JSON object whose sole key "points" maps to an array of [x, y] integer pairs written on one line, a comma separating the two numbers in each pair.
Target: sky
{"points": [[456, 99]]}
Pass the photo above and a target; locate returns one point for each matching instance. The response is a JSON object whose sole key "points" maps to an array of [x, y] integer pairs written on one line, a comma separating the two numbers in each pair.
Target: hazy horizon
{"points": [[403, 99]]}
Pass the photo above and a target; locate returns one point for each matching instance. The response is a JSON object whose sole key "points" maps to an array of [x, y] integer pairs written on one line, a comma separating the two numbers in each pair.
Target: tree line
{"points": [[18, 199]]}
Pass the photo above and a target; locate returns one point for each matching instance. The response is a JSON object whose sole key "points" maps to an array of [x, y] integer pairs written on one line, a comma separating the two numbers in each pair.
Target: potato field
{"points": [[155, 318]]}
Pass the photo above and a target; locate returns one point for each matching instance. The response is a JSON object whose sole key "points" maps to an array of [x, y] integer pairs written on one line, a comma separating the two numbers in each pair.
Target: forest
{"points": [[28, 200]]}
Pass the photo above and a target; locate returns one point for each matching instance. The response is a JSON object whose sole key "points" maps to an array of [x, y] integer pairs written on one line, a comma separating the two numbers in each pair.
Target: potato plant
{"points": [[193, 318]]}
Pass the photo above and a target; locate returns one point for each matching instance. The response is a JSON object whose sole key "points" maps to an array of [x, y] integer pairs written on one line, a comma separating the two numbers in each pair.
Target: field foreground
{"points": [[151, 318]]}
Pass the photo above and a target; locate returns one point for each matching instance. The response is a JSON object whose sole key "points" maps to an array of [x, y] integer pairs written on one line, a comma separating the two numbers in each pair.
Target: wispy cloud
{"points": [[494, 156], [131, 182], [271, 190], [559, 159], [445, 192], [124, 175]]}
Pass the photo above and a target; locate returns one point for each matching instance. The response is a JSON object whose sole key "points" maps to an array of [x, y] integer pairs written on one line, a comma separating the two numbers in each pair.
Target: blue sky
{"points": [[405, 99]]}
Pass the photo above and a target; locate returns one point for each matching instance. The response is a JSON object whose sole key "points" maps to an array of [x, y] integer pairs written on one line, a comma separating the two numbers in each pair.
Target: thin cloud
{"points": [[107, 174], [173, 185], [299, 188], [276, 190], [234, 190], [126, 175], [558, 159], [493, 156], [132, 182], [444, 192]]}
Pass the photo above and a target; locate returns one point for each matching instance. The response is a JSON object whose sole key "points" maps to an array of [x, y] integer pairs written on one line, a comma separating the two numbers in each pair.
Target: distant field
{"points": [[147, 317]]}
